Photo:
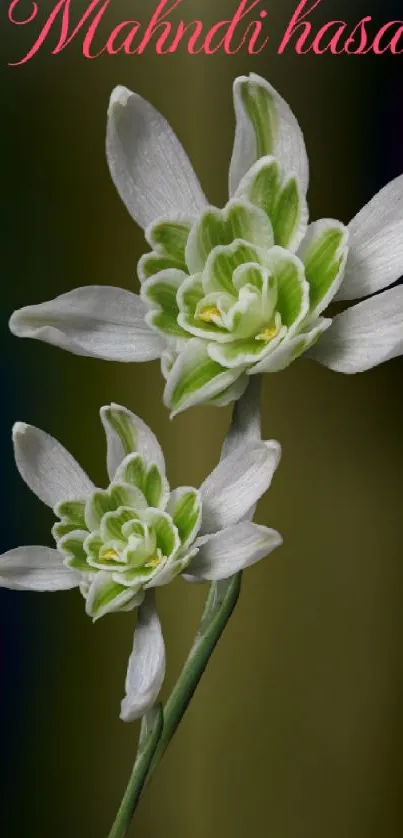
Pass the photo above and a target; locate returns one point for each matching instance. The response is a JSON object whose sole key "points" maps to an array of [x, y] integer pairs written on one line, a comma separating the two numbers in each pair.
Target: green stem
{"points": [[220, 603], [151, 729], [158, 728]]}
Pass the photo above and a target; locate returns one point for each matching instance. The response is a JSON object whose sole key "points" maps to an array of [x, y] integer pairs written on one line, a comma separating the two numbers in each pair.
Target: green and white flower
{"points": [[233, 292], [117, 545]]}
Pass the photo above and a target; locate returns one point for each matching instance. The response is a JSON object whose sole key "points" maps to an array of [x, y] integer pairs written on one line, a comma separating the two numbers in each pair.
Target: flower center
{"points": [[110, 555], [208, 313], [154, 561], [268, 334]]}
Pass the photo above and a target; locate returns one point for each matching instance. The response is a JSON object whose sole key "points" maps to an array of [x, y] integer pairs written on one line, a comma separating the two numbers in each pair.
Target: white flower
{"points": [[117, 545], [230, 293]]}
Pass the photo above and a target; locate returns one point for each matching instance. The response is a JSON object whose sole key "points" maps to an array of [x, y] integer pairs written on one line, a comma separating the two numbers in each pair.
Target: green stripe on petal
{"points": [[196, 378], [238, 220], [118, 494], [169, 238], [166, 324], [123, 494], [224, 261], [112, 523], [244, 352], [261, 184], [98, 504], [106, 596], [261, 109], [184, 506], [190, 293], [160, 291], [121, 423], [62, 528], [155, 487], [132, 471], [72, 512], [289, 215], [324, 254], [167, 535], [72, 545], [153, 263], [292, 287]]}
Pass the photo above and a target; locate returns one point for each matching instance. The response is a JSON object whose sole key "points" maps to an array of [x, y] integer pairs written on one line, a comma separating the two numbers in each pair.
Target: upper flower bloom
{"points": [[118, 544], [233, 292]]}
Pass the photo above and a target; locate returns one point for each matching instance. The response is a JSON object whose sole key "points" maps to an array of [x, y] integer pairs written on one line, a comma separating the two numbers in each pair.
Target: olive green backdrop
{"points": [[296, 729]]}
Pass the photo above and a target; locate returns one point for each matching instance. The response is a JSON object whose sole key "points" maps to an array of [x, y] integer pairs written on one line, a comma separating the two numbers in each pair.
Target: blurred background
{"points": [[296, 730]]}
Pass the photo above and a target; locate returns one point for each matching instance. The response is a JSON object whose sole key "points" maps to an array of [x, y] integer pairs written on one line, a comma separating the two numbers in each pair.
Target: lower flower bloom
{"points": [[117, 545]]}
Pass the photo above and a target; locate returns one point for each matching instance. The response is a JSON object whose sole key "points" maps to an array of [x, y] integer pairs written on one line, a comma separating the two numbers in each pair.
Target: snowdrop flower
{"points": [[117, 545], [228, 293]]}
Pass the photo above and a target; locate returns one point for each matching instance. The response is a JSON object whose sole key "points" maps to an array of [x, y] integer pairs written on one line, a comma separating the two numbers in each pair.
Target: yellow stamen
{"points": [[109, 555], [153, 562], [268, 334], [208, 313]]}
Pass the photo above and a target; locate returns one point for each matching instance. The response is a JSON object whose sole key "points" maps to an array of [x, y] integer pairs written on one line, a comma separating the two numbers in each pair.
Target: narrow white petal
{"points": [[146, 669], [149, 167], [246, 421], [365, 335], [126, 433], [375, 258], [287, 142], [229, 551], [237, 483], [98, 320], [47, 468], [36, 569]]}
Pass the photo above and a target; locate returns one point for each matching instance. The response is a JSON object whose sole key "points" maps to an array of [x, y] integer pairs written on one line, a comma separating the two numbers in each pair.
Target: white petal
{"points": [[229, 551], [36, 569], [375, 258], [99, 321], [246, 421], [125, 430], [288, 146], [47, 468], [237, 483], [149, 167], [365, 335], [146, 669]]}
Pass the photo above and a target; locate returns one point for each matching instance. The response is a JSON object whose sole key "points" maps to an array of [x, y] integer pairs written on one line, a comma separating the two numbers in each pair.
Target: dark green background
{"points": [[296, 730]]}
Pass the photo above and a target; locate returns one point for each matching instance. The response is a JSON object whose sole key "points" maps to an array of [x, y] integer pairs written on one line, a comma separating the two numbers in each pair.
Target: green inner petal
{"points": [[291, 286], [72, 512], [162, 290], [152, 264], [262, 190], [107, 595], [166, 324], [170, 238], [241, 352], [153, 486], [189, 294], [224, 261], [112, 523], [72, 545], [323, 256], [132, 470], [165, 531], [186, 513], [238, 220], [286, 213]]}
